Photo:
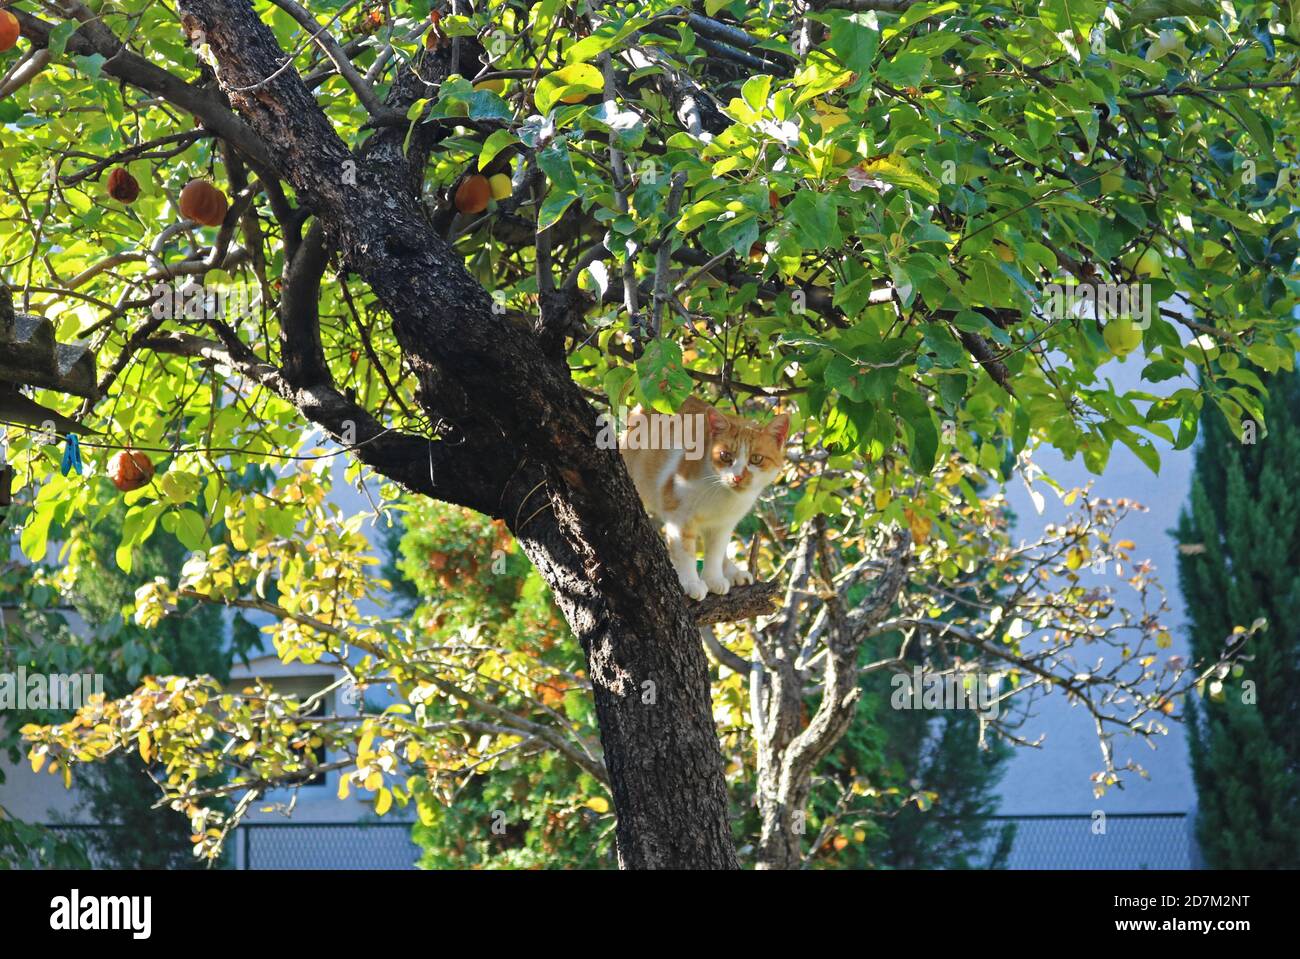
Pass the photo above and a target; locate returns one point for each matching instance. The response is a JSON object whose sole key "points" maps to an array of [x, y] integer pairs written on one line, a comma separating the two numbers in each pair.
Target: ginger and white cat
{"points": [[700, 492]]}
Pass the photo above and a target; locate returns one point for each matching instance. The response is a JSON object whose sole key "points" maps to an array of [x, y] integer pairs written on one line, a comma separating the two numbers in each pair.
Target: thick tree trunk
{"points": [[515, 439], [651, 686]]}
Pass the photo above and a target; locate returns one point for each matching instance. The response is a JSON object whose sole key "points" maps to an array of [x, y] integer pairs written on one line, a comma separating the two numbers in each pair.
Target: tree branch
{"points": [[742, 602]]}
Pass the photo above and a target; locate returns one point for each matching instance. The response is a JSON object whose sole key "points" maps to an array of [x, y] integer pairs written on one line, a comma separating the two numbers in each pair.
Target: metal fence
{"points": [[1082, 841], [357, 845], [1050, 841]]}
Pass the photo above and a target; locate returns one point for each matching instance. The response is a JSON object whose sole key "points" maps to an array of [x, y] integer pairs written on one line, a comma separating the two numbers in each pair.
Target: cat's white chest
{"points": [[711, 504]]}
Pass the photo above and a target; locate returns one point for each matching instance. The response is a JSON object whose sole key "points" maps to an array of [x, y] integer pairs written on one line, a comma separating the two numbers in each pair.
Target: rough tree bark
{"points": [[511, 437]]}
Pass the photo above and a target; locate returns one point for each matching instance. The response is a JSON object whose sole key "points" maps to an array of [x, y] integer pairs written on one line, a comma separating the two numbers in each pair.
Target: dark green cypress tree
{"points": [[1239, 560]]}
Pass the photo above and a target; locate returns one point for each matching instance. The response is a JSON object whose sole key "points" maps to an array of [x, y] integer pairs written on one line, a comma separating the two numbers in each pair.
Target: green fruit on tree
{"points": [[1121, 336], [1147, 264]]}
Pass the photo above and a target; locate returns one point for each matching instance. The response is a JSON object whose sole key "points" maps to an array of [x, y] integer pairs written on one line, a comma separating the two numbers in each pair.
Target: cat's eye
{"points": [[725, 456], [756, 460]]}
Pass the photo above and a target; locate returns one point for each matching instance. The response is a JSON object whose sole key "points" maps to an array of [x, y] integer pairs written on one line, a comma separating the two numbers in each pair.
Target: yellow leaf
{"points": [[920, 526], [570, 84], [146, 746], [383, 802], [345, 787], [598, 804]]}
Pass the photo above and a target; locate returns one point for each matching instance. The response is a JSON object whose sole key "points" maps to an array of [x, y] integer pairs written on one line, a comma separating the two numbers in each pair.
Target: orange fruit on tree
{"points": [[9, 30], [122, 186], [473, 194], [129, 470], [203, 203]]}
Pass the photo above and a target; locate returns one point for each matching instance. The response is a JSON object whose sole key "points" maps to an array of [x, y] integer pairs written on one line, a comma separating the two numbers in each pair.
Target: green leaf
{"points": [[454, 25], [918, 12], [820, 74], [1019, 428], [1147, 10], [947, 351], [191, 530], [415, 109], [1076, 16], [854, 40], [663, 380], [59, 37], [988, 285], [905, 70], [847, 377], [813, 217], [553, 207], [557, 166], [755, 92], [699, 213], [493, 145], [487, 105], [900, 171], [739, 233], [916, 413], [34, 540], [91, 65], [618, 386], [607, 36]]}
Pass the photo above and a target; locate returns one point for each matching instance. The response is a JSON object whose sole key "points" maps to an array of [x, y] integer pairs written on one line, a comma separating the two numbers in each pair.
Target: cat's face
{"points": [[744, 455]]}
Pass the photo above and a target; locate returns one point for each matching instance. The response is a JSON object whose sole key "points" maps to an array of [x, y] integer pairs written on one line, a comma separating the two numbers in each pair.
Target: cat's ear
{"points": [[717, 422], [780, 428]]}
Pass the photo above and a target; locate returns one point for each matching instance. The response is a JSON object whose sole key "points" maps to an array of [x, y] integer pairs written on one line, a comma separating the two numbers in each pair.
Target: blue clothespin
{"points": [[72, 455]]}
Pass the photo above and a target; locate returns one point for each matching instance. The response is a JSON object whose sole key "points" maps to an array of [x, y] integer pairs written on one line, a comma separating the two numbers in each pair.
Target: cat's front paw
{"points": [[719, 584], [693, 586], [739, 576]]}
